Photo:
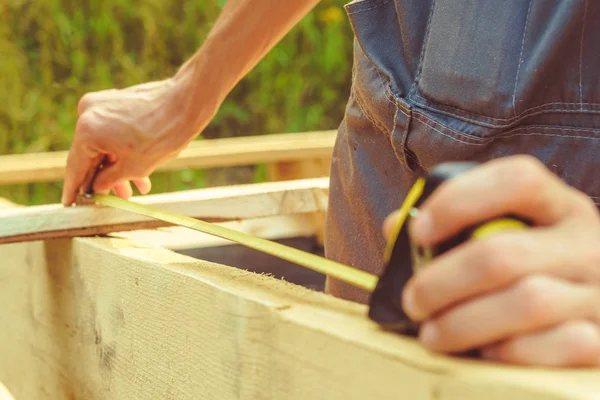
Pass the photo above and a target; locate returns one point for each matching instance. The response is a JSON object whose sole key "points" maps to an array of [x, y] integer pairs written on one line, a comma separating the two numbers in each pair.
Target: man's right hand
{"points": [[141, 127], [136, 129]]}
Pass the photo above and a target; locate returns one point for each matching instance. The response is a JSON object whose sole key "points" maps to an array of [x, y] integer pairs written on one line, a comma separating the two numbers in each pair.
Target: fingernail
{"points": [[428, 334], [388, 224], [410, 305], [422, 226]]}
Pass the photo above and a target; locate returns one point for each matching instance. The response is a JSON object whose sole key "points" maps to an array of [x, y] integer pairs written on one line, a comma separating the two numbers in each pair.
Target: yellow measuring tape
{"points": [[353, 276]]}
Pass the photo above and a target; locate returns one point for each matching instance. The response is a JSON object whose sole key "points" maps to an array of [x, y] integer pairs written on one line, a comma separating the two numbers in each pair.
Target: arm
{"points": [[138, 128], [244, 33]]}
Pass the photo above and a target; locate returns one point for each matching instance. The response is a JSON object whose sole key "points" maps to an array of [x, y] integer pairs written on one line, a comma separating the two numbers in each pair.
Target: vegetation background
{"points": [[54, 51]]}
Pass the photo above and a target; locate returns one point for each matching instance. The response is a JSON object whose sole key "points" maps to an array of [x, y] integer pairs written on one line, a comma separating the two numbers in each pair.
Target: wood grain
{"points": [[101, 318], [4, 393], [213, 204], [308, 168], [209, 153], [182, 238]]}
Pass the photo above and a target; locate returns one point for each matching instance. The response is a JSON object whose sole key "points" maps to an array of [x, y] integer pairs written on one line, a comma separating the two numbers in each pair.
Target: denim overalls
{"points": [[447, 80]]}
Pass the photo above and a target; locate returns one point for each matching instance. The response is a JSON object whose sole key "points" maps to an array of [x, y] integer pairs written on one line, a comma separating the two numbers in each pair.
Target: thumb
{"points": [[79, 165]]}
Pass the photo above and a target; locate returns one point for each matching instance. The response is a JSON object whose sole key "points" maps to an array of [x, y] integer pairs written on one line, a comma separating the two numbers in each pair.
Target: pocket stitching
{"points": [[474, 117], [413, 88], [514, 96], [367, 114], [539, 109], [520, 131], [349, 7]]}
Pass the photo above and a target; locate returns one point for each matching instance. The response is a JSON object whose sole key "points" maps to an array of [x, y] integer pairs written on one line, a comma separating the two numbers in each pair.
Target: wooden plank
{"points": [[212, 204], [302, 169], [4, 203], [4, 393], [100, 318], [210, 153]]}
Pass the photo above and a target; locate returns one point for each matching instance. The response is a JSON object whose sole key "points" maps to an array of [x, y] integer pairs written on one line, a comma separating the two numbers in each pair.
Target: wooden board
{"points": [[308, 168], [213, 204], [4, 393], [4, 203], [100, 318], [209, 153]]}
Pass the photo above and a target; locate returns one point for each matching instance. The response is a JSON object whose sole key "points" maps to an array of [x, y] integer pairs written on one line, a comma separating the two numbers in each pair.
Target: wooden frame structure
{"points": [[123, 316]]}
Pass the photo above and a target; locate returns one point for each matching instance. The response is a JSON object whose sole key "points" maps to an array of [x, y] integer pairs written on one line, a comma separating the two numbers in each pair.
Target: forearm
{"points": [[245, 31]]}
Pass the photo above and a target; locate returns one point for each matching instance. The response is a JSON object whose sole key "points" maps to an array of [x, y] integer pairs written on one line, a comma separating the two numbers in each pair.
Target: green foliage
{"points": [[54, 51]]}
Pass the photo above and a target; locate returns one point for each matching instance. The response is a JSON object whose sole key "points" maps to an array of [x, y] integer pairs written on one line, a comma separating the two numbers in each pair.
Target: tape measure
{"points": [[402, 257]]}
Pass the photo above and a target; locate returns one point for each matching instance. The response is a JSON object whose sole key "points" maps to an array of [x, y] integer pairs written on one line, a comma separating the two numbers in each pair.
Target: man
{"points": [[439, 81]]}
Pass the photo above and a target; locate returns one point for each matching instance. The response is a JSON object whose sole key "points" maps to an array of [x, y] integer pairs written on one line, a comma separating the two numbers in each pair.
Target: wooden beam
{"points": [[4, 203], [309, 168], [4, 393], [94, 318], [209, 153], [213, 204]]}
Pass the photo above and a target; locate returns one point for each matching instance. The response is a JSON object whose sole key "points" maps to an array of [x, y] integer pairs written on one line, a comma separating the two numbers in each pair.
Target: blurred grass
{"points": [[54, 51]]}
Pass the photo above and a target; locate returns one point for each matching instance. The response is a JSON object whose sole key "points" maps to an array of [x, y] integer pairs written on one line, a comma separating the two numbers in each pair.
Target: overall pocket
{"points": [[495, 62], [471, 57], [382, 75]]}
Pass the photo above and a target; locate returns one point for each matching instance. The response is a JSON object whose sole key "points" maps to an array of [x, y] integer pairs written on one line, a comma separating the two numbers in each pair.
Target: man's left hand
{"points": [[526, 297]]}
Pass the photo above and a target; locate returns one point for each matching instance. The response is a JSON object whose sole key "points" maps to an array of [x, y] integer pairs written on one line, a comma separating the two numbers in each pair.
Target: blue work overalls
{"points": [[448, 80]]}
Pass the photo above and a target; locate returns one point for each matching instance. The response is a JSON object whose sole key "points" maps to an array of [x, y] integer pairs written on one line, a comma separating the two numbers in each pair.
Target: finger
{"points": [[478, 267], [570, 344], [534, 303], [144, 185], [123, 189], [390, 223], [109, 177], [79, 165], [518, 184]]}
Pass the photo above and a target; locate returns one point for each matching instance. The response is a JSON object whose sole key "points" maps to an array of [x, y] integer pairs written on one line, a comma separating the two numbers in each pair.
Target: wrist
{"points": [[197, 96]]}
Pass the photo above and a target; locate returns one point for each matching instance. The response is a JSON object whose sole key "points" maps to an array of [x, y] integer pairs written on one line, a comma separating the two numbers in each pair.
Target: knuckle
{"points": [[422, 295], [85, 124], [593, 256], [526, 174], [84, 103], [534, 294], [585, 205], [589, 265], [527, 162], [582, 342], [497, 260]]}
